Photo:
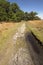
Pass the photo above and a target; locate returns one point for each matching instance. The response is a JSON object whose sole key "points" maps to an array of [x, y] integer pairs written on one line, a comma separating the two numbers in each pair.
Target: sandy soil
{"points": [[12, 55]]}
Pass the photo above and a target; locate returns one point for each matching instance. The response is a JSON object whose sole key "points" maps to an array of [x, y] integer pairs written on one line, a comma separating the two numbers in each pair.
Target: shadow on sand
{"points": [[35, 49], [31, 39]]}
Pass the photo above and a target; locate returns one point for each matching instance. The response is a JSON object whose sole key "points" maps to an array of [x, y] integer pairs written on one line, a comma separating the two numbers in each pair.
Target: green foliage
{"points": [[12, 12], [14, 7], [32, 15], [26, 16]]}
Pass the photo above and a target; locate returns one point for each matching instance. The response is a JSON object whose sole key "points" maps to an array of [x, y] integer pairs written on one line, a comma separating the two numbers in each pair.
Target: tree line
{"points": [[12, 12]]}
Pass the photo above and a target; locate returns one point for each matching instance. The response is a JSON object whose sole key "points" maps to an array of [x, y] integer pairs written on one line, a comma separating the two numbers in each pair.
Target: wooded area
{"points": [[12, 12]]}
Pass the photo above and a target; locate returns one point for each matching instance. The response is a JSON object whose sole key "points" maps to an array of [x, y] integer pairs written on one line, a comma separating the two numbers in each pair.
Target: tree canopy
{"points": [[12, 12]]}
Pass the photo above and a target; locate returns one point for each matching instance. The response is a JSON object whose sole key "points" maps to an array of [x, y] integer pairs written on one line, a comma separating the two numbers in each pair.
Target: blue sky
{"points": [[30, 5]]}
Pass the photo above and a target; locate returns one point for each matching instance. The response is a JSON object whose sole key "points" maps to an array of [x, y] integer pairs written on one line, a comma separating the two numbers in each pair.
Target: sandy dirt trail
{"points": [[17, 51], [12, 55], [22, 56]]}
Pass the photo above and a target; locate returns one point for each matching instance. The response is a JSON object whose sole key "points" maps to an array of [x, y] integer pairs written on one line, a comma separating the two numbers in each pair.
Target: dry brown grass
{"points": [[36, 27], [5, 26], [6, 31], [37, 23]]}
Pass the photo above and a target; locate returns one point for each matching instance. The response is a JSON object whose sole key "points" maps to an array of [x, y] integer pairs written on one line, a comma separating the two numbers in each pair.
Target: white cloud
{"points": [[41, 15]]}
